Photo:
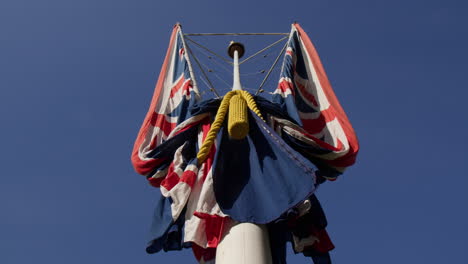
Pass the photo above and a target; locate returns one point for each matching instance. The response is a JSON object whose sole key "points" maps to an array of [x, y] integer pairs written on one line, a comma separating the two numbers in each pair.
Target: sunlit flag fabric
{"points": [[173, 95], [268, 177], [305, 93]]}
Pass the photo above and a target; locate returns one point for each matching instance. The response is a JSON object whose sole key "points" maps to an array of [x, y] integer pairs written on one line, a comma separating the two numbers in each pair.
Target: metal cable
{"points": [[217, 76], [262, 50], [203, 72], [217, 62], [232, 34], [271, 69], [229, 86], [210, 51]]}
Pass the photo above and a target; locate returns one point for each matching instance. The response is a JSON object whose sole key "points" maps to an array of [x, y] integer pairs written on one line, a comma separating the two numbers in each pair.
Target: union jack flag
{"points": [[268, 176], [306, 94], [165, 152], [173, 95]]}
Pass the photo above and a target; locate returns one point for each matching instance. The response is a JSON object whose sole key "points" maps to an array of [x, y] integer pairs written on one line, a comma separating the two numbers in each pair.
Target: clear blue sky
{"points": [[76, 79]]}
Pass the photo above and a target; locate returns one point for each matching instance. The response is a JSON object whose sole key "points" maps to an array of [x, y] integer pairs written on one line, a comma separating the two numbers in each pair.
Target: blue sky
{"points": [[76, 78]]}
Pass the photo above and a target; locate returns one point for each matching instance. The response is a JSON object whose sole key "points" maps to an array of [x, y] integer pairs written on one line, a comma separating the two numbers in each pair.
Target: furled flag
{"points": [[268, 177], [165, 152], [305, 93], [173, 95]]}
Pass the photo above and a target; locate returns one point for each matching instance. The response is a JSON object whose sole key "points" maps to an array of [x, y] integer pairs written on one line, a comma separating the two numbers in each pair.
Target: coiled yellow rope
{"points": [[221, 114], [238, 121]]}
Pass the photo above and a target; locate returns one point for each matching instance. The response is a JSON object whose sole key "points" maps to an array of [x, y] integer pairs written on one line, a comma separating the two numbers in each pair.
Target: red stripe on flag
{"points": [[205, 253], [155, 182], [330, 94], [159, 120], [177, 86], [285, 86], [191, 125], [143, 166], [305, 94], [322, 143], [209, 160], [316, 125], [189, 177], [171, 179], [214, 228]]}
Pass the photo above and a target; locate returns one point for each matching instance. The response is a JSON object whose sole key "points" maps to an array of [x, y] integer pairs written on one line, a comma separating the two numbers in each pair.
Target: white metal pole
{"points": [[236, 85], [243, 243]]}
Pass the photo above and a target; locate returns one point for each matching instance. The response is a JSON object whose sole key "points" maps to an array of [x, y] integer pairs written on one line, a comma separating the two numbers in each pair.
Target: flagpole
{"points": [[243, 243]]}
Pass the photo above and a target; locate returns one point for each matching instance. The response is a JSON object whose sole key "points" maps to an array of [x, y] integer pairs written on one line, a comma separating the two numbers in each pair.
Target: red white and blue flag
{"points": [[268, 177], [165, 152], [305, 93], [173, 95]]}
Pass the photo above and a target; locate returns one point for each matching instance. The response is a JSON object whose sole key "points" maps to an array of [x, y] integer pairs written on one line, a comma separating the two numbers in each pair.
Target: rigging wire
{"points": [[217, 62], [232, 34], [192, 75], [221, 79], [203, 72], [210, 51], [262, 63], [245, 60], [253, 73], [271, 69], [262, 50], [202, 49], [207, 86], [213, 72]]}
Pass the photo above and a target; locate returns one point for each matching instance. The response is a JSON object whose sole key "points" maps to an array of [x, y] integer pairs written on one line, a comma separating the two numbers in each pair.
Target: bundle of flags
{"points": [[268, 178]]}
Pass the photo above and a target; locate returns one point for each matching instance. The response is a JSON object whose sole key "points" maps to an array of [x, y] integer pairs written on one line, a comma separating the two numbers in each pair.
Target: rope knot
{"points": [[238, 124]]}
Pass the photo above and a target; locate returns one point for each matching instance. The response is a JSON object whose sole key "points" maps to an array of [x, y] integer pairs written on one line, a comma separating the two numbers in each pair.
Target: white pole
{"points": [[243, 243], [236, 85]]}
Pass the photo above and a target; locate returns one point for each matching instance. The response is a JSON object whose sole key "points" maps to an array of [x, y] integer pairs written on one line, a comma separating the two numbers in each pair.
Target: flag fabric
{"points": [[259, 177], [267, 178], [173, 95], [305, 93], [165, 152]]}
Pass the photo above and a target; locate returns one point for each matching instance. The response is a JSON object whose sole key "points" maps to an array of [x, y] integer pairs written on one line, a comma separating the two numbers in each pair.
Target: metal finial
{"points": [[233, 46]]}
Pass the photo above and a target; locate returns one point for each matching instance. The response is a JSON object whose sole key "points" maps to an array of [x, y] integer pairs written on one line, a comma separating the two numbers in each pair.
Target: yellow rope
{"points": [[219, 119], [250, 102]]}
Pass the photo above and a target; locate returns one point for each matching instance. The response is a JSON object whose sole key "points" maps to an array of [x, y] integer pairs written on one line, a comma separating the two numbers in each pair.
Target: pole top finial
{"points": [[233, 46]]}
